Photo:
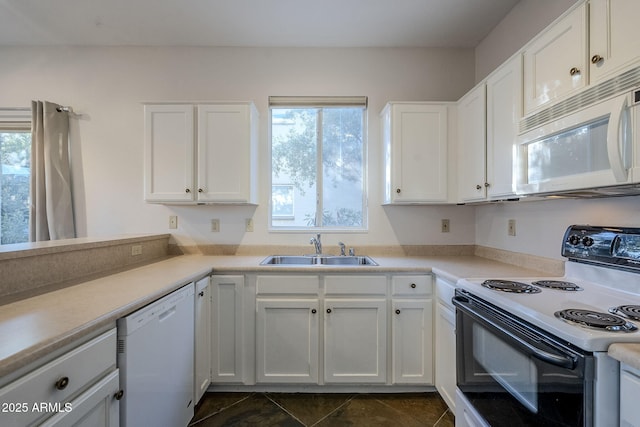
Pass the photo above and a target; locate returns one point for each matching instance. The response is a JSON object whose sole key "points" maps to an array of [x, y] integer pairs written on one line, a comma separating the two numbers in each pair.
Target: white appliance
{"points": [[156, 361], [586, 147], [530, 354]]}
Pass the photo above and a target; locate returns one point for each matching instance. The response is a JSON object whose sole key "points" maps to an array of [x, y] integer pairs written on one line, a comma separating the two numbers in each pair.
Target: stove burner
{"points": [[557, 284], [629, 311], [510, 286], [596, 320]]}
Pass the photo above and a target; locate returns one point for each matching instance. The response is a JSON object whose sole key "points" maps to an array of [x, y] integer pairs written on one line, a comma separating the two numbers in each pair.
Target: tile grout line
{"points": [[441, 417], [220, 410], [284, 409], [335, 410]]}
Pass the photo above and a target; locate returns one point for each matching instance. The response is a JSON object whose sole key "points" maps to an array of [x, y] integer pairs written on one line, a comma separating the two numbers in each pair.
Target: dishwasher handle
{"points": [[167, 313]]}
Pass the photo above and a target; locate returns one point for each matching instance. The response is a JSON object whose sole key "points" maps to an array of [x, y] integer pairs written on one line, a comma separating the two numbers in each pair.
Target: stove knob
{"points": [[587, 241], [574, 239]]}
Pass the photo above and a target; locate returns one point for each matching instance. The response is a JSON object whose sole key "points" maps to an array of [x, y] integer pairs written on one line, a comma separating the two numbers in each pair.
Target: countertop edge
{"points": [[627, 353]]}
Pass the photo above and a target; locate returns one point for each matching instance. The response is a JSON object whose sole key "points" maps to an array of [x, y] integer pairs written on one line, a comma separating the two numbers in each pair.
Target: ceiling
{"points": [[275, 23]]}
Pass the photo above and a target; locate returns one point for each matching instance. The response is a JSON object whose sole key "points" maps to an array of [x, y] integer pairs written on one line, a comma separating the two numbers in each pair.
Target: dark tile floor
{"points": [[308, 409]]}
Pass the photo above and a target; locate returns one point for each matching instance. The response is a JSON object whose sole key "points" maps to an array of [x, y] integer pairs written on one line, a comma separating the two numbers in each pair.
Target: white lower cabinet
{"points": [[97, 407], [412, 329], [335, 329], [287, 340], [355, 341], [629, 392], [202, 328], [227, 309], [445, 343], [412, 337], [79, 387]]}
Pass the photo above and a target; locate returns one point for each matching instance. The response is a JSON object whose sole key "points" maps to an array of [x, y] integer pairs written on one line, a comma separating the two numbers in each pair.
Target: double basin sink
{"points": [[317, 260]]}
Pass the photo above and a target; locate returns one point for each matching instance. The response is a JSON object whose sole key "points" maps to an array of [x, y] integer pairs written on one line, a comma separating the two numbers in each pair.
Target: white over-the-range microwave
{"points": [[591, 151]]}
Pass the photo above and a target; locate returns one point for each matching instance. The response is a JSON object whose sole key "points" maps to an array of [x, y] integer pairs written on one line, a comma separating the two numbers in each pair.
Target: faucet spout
{"points": [[317, 243]]}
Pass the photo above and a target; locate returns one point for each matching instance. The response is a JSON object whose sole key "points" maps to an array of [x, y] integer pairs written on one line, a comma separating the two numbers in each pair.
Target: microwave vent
{"points": [[625, 81]]}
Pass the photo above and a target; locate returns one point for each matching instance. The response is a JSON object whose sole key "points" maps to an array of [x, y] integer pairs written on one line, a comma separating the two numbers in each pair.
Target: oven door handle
{"points": [[562, 360]]}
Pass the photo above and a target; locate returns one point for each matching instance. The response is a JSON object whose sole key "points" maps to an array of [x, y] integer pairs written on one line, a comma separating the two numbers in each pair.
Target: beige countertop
{"points": [[33, 327], [626, 353]]}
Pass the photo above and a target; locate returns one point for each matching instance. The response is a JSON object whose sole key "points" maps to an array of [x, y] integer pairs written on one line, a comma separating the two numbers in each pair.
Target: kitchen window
{"points": [[15, 157], [318, 163]]}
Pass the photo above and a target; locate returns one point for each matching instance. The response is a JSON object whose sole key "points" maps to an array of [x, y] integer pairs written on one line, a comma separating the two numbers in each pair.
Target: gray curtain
{"points": [[51, 215]]}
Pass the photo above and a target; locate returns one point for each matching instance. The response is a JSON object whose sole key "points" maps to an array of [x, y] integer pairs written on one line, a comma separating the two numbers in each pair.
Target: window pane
{"points": [[342, 153], [294, 134], [15, 153]]}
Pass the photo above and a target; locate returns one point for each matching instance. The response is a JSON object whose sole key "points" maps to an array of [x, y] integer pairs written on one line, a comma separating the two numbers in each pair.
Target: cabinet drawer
{"points": [[359, 285], [81, 367], [412, 285], [306, 285]]}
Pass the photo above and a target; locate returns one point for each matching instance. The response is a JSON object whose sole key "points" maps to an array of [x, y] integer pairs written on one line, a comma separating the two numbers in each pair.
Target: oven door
{"points": [[515, 375]]}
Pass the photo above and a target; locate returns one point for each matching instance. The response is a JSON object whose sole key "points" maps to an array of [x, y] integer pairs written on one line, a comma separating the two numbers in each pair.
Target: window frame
{"points": [[300, 102]]}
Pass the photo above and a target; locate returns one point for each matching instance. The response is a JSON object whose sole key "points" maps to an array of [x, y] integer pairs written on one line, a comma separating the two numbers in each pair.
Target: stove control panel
{"points": [[613, 246]]}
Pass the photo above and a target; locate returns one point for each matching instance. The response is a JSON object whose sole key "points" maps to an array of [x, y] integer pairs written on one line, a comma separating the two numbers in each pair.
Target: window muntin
{"points": [[320, 152]]}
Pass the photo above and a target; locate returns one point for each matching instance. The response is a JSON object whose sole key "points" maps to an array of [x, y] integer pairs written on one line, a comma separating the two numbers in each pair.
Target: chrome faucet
{"points": [[342, 248], [318, 244]]}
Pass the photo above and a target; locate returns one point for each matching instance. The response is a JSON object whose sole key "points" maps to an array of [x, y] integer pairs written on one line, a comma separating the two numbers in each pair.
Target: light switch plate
{"points": [[215, 225], [173, 221], [512, 227]]}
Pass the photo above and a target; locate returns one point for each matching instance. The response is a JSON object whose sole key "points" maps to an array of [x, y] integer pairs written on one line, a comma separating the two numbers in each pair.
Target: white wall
{"points": [[108, 85], [540, 224]]}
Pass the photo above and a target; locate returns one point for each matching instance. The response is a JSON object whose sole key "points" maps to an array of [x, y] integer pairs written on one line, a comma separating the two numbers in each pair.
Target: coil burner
{"points": [[629, 311], [557, 284], [596, 320], [510, 286]]}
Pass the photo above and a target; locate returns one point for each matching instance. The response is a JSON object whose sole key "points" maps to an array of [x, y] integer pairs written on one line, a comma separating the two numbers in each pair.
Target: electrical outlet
{"points": [[136, 250], [215, 225], [173, 221], [249, 224], [512, 227], [445, 226]]}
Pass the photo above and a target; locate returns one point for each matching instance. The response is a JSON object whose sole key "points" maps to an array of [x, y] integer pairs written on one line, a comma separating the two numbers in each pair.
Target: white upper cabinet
{"points": [[472, 184], [227, 153], [168, 153], [210, 157], [504, 110], [556, 61], [415, 153], [613, 37]]}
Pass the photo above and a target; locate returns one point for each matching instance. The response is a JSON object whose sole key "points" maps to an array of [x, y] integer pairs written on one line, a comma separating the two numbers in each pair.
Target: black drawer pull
{"points": [[62, 383]]}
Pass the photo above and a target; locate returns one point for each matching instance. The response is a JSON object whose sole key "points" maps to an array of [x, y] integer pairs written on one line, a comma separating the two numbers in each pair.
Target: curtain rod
{"points": [[58, 109]]}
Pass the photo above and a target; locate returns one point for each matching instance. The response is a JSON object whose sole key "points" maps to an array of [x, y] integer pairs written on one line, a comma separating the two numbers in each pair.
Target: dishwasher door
{"points": [[156, 361]]}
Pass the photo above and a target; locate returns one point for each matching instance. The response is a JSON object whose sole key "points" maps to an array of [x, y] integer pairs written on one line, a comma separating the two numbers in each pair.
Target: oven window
{"points": [[509, 367]]}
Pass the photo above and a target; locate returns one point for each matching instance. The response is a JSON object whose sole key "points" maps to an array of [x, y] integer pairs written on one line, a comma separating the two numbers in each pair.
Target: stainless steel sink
{"points": [[317, 260], [289, 260], [347, 260]]}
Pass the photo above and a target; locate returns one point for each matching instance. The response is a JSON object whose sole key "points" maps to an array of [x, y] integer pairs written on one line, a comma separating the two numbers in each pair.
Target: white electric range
{"points": [[536, 347]]}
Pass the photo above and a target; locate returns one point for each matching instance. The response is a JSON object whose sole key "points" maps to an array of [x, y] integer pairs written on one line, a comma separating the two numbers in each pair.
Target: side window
{"points": [[318, 163], [15, 156]]}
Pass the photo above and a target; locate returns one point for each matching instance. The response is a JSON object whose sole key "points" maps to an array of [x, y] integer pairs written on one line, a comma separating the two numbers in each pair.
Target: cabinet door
{"points": [[226, 329], [471, 146], [412, 337], [446, 354], [203, 337], [287, 340], [629, 391], [415, 138], [96, 407], [555, 63], [227, 162], [168, 153], [355, 341], [504, 110], [613, 36]]}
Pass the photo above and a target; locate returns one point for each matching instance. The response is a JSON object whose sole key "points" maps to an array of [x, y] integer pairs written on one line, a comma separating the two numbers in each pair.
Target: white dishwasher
{"points": [[156, 361]]}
